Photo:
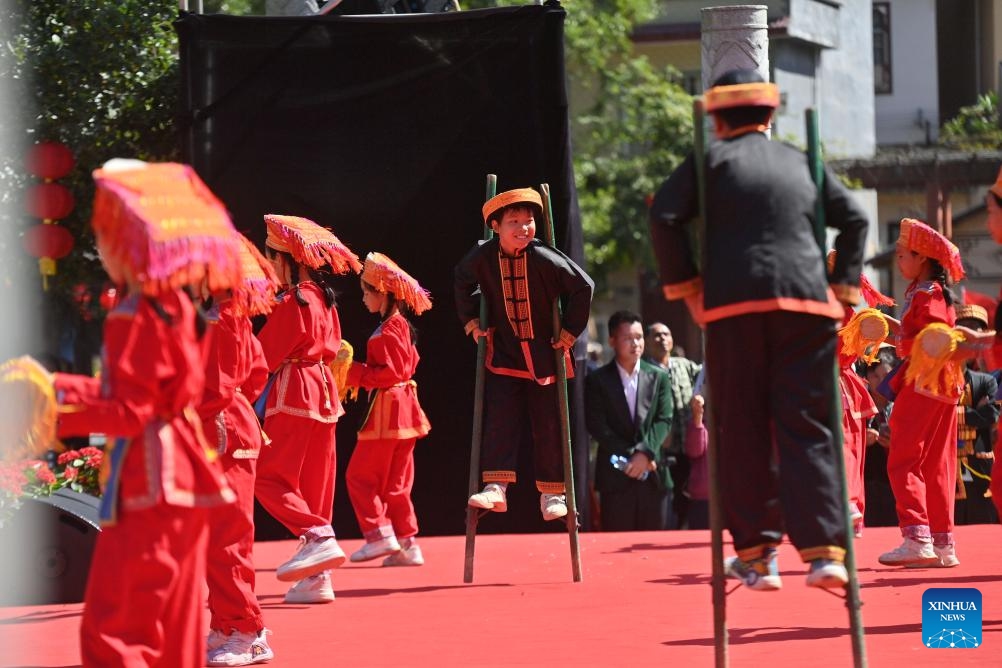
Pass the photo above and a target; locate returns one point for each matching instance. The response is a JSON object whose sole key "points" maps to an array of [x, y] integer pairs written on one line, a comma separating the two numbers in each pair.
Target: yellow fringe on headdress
{"points": [[929, 365], [339, 369], [863, 334], [30, 410]]}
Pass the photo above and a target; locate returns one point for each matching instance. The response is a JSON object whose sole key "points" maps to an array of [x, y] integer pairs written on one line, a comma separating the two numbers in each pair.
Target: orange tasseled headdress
{"points": [[386, 276], [161, 223], [255, 295], [309, 244], [918, 237], [509, 197], [28, 427]]}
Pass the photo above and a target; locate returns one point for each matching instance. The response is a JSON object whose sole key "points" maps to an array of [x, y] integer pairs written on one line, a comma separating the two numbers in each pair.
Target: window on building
{"points": [[882, 48]]}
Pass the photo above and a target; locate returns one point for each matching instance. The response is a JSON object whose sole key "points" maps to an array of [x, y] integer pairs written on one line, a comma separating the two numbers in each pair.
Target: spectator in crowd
{"points": [[698, 489], [628, 411], [879, 510], [682, 374]]}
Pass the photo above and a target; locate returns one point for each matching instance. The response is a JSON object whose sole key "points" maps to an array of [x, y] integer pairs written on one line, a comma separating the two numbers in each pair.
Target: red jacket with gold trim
{"points": [[391, 359], [152, 379], [235, 374], [298, 343]]}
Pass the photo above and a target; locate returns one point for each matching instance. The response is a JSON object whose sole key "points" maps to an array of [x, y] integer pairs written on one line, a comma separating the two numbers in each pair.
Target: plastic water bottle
{"points": [[620, 462]]}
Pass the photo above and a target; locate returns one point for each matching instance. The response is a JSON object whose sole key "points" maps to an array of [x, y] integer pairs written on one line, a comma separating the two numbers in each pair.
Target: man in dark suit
{"points": [[629, 411]]}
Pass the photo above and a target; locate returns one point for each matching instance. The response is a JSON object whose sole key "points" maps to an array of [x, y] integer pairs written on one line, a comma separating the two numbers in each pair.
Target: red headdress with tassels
{"points": [[309, 244], [162, 224], [918, 237], [386, 276], [255, 295]]}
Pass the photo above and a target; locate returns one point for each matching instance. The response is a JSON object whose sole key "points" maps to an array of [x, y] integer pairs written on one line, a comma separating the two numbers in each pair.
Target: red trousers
{"points": [[380, 477], [229, 568], [143, 605], [922, 464], [295, 474], [854, 449]]}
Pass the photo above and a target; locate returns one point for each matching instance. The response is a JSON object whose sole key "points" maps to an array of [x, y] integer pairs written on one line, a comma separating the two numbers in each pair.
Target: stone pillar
{"points": [[291, 7], [734, 37]]}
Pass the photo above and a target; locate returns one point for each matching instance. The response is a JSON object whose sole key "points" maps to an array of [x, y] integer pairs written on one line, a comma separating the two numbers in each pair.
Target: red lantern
{"points": [[49, 160], [49, 201], [48, 241]]}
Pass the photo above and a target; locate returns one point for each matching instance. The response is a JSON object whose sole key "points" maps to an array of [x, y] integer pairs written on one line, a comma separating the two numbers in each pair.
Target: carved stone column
{"points": [[734, 37]]}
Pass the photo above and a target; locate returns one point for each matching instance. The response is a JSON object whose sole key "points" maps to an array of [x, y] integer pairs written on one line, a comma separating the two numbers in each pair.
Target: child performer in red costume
{"points": [[859, 337], [143, 605], [295, 475], [381, 472], [236, 373], [922, 460]]}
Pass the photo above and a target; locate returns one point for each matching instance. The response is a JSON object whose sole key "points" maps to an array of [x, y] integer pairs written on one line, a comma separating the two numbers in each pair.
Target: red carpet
{"points": [[645, 597]]}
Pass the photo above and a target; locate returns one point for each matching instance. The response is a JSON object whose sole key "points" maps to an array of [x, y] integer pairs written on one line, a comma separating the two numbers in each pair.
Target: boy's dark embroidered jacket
{"points": [[520, 292], [760, 206]]}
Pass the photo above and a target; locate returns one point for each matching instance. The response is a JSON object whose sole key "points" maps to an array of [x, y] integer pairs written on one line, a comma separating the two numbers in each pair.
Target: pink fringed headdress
{"points": [[256, 293], [386, 276], [309, 244], [162, 223]]}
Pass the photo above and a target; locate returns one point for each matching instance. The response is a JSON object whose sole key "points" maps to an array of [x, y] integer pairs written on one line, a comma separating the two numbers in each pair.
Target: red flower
{"points": [[70, 473], [45, 475], [94, 461], [68, 456], [90, 451]]}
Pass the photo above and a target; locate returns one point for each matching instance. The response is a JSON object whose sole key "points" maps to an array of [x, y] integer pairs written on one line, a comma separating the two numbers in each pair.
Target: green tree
{"points": [[631, 126], [100, 77], [975, 127]]}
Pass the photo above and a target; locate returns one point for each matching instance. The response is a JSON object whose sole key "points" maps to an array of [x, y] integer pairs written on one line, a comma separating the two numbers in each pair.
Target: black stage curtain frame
{"points": [[384, 128]]}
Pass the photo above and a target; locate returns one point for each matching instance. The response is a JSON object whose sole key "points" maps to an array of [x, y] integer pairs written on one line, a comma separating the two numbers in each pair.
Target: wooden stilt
{"points": [[473, 514], [562, 406], [852, 599]]}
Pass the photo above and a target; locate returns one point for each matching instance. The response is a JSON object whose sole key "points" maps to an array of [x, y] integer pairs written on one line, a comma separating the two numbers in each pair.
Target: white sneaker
{"points": [[492, 498], [946, 557], [215, 639], [376, 549], [312, 557], [910, 553], [314, 589], [553, 506], [409, 555], [242, 649]]}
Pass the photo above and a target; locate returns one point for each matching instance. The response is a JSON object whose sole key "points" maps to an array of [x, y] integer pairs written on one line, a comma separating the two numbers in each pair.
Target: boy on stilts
{"points": [[519, 277], [770, 314]]}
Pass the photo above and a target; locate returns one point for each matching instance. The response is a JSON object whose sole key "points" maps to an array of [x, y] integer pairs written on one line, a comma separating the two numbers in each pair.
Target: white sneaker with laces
{"points": [[553, 506], [493, 497], [312, 557], [376, 549], [910, 553], [409, 555], [314, 589], [242, 649], [946, 557]]}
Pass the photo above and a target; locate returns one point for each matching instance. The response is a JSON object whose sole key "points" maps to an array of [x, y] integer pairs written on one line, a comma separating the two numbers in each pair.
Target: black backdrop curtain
{"points": [[384, 128]]}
